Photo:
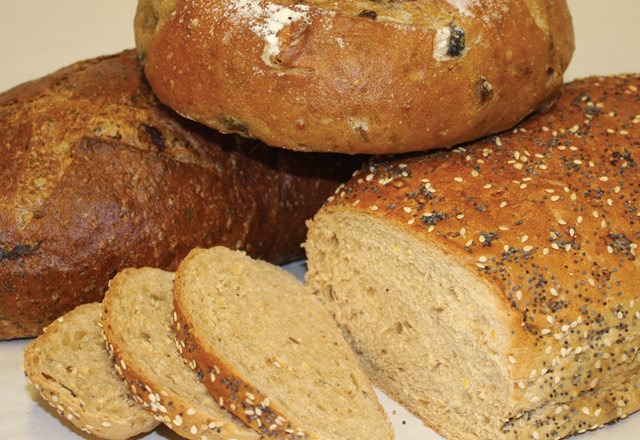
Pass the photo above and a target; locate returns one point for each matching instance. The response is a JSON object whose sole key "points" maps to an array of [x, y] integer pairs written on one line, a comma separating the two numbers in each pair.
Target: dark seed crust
{"points": [[548, 216], [236, 395]]}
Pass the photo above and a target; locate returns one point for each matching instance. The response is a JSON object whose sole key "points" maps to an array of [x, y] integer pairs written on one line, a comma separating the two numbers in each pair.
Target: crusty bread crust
{"points": [[356, 76], [97, 175], [546, 216]]}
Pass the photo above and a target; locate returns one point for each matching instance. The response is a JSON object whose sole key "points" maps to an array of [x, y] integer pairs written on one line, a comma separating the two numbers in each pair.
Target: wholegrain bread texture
{"points": [[71, 369], [356, 76], [136, 317], [269, 352], [97, 176], [494, 289]]}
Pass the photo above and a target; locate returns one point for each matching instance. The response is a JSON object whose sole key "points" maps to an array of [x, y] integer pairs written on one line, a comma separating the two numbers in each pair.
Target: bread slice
{"points": [[493, 289], [71, 369], [136, 316], [270, 352]]}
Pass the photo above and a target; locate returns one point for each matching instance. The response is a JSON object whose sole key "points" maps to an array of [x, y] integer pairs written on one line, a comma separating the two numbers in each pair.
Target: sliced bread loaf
{"points": [[71, 369], [493, 289], [269, 352], [136, 316]]}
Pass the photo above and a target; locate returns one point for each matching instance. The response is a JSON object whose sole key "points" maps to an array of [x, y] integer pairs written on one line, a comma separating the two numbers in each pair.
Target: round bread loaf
{"points": [[494, 289], [356, 76]]}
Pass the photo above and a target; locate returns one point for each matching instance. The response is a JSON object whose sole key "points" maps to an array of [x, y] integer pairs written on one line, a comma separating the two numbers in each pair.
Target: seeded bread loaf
{"points": [[356, 76], [136, 317], [494, 289], [97, 175], [269, 352], [71, 369]]}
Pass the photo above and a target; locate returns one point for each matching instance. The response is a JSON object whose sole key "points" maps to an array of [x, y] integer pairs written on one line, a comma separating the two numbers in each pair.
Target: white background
{"points": [[40, 36]]}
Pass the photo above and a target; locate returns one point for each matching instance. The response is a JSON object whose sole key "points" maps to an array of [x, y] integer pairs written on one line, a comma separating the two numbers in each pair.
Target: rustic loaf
{"points": [[71, 369], [494, 289], [136, 317], [97, 175], [356, 76], [269, 352]]}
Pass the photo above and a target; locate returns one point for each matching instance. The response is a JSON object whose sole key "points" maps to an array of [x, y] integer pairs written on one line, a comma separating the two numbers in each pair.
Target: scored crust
{"points": [[542, 222], [355, 76]]}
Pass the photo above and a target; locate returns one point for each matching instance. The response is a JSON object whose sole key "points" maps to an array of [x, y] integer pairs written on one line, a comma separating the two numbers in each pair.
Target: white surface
{"points": [[39, 36]]}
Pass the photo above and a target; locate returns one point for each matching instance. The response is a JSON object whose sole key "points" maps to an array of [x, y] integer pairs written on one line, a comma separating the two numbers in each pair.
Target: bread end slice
{"points": [[71, 369]]}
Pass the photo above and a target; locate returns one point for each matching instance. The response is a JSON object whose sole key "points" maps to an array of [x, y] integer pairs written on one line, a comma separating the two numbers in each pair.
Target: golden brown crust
{"points": [[356, 77], [97, 175], [546, 213]]}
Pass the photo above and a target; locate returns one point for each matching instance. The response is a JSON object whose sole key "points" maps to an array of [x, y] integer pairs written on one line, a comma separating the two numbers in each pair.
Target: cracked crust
{"points": [[356, 76]]}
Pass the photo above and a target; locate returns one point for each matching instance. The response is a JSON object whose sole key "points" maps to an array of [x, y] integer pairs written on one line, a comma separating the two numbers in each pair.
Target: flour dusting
{"points": [[463, 6], [266, 19]]}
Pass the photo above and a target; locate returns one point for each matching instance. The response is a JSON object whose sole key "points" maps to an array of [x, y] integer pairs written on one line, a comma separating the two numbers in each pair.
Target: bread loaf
{"points": [[136, 317], [97, 175], [356, 76], [71, 369], [494, 289], [269, 352]]}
